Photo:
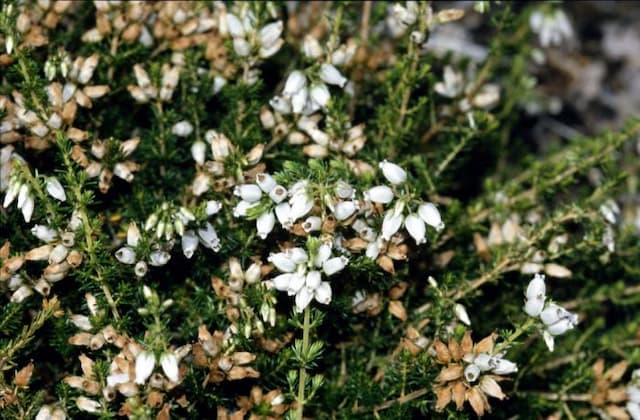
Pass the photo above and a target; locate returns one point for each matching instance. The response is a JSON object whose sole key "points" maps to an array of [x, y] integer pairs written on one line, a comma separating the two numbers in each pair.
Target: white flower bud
{"points": [[312, 224], [392, 172], [504, 367], [133, 235], [303, 298], [560, 327], [55, 190], [209, 237], [21, 294], [554, 313], [334, 265], [634, 409], [471, 373], [461, 313], [140, 269], [189, 243], [270, 33], [431, 216], [536, 287], [44, 233], [331, 75], [311, 47], [265, 223], [283, 214], [265, 182], [248, 192], [295, 83], [416, 228], [313, 279], [320, 94], [253, 273], [12, 193], [182, 129], [280, 104], [58, 254], [27, 209], [533, 307], [380, 194], [234, 25], [159, 258], [241, 47], [322, 255], [8, 43], [391, 223], [345, 209], [169, 363], [322, 293], [299, 100], [281, 282], [145, 362], [198, 152], [87, 69], [344, 190], [282, 261], [23, 194], [373, 250], [301, 204]]}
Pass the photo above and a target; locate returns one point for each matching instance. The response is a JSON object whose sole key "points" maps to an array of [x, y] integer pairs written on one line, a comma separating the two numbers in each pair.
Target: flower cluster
{"points": [[470, 372], [555, 319]]}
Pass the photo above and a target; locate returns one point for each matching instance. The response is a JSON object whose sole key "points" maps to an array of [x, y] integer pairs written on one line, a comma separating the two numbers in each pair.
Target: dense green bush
{"points": [[321, 210]]}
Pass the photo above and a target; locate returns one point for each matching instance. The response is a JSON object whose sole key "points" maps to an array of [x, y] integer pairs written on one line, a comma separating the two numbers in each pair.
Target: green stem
{"points": [[302, 376], [529, 323]]}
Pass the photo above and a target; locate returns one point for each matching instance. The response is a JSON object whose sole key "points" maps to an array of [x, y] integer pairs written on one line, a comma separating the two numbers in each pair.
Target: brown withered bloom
{"points": [[608, 394], [469, 373]]}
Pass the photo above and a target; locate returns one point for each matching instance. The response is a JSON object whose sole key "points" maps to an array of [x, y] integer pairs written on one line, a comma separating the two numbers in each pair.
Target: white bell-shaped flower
{"points": [[295, 83], [331, 75], [189, 243], [334, 265], [198, 152], [126, 255], [55, 190], [536, 287], [379, 194], [248, 192], [265, 223], [145, 362], [416, 228], [392, 172], [431, 216], [345, 209], [169, 363]]}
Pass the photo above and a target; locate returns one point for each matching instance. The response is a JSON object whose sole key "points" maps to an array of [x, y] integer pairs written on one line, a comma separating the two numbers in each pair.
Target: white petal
{"points": [[504, 367], [379, 194], [391, 223], [189, 243], [145, 362], [431, 216], [295, 83], [461, 313], [55, 190], [235, 26], [270, 33], [548, 340], [282, 281], [313, 279], [303, 298], [345, 209], [392, 172], [265, 223], [323, 254], [248, 192], [159, 258], [330, 74], [126, 255], [416, 228], [534, 306], [334, 265], [282, 261], [283, 214], [265, 182], [320, 94], [323, 293], [169, 364], [198, 152], [296, 282]]}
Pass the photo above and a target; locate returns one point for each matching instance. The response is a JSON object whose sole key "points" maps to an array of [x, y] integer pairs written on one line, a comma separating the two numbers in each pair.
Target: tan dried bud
{"points": [[105, 180], [23, 376], [82, 99], [74, 259], [97, 341], [397, 291], [478, 401], [255, 154], [40, 253], [80, 339], [14, 264], [5, 249], [128, 389], [442, 352], [450, 373], [131, 33], [74, 381], [42, 287], [489, 386], [443, 397], [396, 308], [386, 264], [128, 146], [97, 91], [449, 14], [155, 398], [557, 270], [79, 156], [109, 333], [315, 151], [242, 357], [225, 363], [482, 249]]}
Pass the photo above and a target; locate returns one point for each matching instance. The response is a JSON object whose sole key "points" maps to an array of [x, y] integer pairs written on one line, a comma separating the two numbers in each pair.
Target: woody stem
{"points": [[302, 375]]}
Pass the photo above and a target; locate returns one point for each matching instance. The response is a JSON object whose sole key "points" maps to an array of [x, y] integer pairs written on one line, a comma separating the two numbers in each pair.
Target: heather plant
{"points": [[307, 210]]}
